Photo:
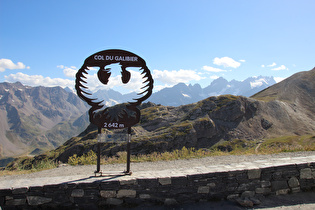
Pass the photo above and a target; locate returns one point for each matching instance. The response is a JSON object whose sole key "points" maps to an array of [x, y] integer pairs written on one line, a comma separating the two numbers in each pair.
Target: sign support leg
{"points": [[128, 172], [98, 166]]}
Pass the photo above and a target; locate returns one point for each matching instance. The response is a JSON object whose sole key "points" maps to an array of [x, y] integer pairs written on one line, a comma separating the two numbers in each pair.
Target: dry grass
{"points": [[39, 166], [184, 153], [235, 147], [287, 144]]}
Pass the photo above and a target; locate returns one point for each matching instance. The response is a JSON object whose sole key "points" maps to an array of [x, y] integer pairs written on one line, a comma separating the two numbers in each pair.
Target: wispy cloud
{"points": [[160, 87], [226, 62], [175, 77], [39, 80], [279, 79], [8, 64], [214, 77], [135, 83], [68, 71], [272, 65], [282, 67]]}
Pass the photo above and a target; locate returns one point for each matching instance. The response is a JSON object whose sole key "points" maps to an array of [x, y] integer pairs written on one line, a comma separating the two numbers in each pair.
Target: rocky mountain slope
{"points": [[37, 117], [298, 90], [213, 120]]}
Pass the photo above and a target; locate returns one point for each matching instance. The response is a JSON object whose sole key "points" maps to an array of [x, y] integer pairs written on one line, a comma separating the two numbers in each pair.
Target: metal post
{"points": [[128, 152], [98, 167]]}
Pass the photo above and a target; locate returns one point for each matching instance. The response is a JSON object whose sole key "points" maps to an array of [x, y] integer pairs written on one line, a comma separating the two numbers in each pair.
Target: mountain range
{"points": [[38, 117], [284, 109], [35, 119], [182, 94]]}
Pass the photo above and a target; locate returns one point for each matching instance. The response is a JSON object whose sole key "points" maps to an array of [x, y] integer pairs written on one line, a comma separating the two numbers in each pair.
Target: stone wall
{"points": [[246, 187]]}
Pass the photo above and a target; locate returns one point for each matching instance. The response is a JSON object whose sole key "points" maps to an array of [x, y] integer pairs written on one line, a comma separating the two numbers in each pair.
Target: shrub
{"points": [[86, 159]]}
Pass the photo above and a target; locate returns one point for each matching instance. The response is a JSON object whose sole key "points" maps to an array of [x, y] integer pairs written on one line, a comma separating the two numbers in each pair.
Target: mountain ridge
{"points": [[30, 113], [52, 117], [208, 122], [182, 94]]}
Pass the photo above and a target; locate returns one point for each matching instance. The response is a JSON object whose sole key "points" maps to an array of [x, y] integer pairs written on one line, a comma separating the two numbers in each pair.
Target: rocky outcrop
{"points": [[201, 125]]}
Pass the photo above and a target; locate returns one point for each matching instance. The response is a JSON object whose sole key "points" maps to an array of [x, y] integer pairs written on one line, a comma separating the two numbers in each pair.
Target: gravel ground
{"points": [[88, 170]]}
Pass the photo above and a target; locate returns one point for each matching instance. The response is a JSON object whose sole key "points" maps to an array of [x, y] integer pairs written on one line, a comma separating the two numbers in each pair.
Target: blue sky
{"points": [[46, 42]]}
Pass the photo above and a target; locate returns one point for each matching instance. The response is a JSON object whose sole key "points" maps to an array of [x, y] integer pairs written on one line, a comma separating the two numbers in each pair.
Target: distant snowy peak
{"points": [[246, 87], [261, 81], [258, 83], [111, 102], [181, 94], [186, 95]]}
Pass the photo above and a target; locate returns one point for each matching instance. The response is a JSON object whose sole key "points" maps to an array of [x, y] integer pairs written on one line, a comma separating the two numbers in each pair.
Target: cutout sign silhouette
{"points": [[123, 115]]}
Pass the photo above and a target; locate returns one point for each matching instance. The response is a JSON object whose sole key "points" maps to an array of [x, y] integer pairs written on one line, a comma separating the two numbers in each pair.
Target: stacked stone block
{"points": [[243, 186]]}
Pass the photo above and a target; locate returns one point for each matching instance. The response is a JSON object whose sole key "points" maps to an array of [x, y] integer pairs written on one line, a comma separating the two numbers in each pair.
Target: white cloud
{"points": [[272, 65], [68, 71], [258, 83], [134, 85], [212, 69], [93, 68], [214, 77], [8, 64], [38, 80], [279, 79], [282, 67], [175, 77], [243, 61], [263, 66], [160, 87], [226, 62]]}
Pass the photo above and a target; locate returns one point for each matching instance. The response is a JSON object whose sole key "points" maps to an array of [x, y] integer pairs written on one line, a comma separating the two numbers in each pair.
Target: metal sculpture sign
{"points": [[125, 115], [130, 114]]}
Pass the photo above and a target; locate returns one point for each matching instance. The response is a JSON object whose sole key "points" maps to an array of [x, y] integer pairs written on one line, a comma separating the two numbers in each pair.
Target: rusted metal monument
{"points": [[99, 114]]}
